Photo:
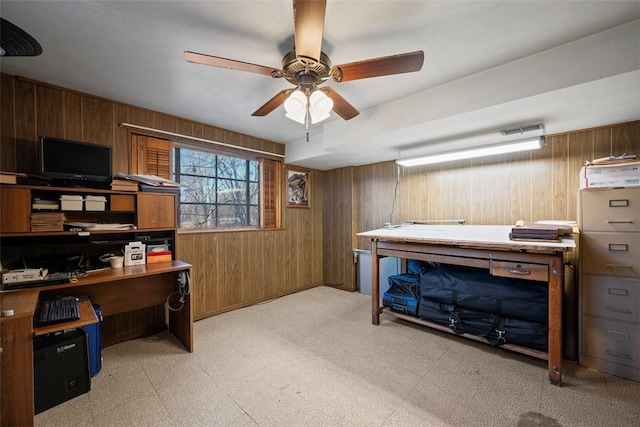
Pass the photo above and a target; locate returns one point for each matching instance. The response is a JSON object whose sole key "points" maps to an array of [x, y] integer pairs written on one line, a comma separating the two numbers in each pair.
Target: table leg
{"points": [[556, 279], [375, 284]]}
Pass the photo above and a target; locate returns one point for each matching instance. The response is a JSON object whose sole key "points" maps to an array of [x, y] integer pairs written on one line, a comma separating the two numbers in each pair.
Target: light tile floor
{"points": [[314, 359]]}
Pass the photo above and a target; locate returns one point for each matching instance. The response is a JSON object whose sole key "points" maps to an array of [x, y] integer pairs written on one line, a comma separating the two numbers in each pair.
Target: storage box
{"points": [[71, 202], [612, 175], [95, 203], [153, 257]]}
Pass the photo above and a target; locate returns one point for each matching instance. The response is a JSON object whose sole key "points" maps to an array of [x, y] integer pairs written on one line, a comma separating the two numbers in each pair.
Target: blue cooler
{"points": [[94, 340]]}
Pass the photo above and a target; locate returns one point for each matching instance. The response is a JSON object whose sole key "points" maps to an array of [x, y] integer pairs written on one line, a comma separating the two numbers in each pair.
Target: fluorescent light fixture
{"points": [[490, 150], [523, 129]]}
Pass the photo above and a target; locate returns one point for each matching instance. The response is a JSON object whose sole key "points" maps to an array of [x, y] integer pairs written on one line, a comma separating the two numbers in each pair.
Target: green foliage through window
{"points": [[218, 190]]}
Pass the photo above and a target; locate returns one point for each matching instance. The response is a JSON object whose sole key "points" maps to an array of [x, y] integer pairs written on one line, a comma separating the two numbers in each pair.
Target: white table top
{"points": [[464, 235]]}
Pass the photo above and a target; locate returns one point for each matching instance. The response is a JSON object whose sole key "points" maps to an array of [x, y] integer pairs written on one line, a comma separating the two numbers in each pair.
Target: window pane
{"points": [[197, 216], [197, 163], [229, 167], [254, 171], [232, 192], [254, 193], [255, 216], [198, 189], [232, 216]]}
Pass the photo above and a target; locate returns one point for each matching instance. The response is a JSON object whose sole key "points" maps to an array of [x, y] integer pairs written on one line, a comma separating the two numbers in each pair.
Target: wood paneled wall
{"points": [[532, 186], [231, 269], [339, 234]]}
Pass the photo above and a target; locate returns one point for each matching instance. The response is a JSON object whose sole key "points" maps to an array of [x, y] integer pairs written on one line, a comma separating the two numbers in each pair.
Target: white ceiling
{"points": [[489, 65]]}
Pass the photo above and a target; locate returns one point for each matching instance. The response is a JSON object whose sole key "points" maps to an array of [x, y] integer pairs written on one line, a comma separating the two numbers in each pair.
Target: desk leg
{"points": [[556, 279], [375, 284], [17, 398], [181, 322]]}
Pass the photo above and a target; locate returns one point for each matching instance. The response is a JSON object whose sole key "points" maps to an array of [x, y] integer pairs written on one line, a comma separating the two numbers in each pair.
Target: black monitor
{"points": [[74, 162]]}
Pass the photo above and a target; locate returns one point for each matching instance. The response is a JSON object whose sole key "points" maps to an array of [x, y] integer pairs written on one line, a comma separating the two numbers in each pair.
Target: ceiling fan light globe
{"points": [[296, 102], [298, 116], [318, 117], [320, 102]]}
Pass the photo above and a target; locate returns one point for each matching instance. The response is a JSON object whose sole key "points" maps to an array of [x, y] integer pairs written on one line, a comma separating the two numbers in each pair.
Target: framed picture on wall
{"points": [[298, 188]]}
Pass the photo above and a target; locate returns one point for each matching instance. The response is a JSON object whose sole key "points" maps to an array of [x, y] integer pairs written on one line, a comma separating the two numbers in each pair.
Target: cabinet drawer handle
{"points": [[619, 310], [618, 266], [619, 292], [624, 221], [613, 353], [522, 272], [619, 203], [618, 247]]}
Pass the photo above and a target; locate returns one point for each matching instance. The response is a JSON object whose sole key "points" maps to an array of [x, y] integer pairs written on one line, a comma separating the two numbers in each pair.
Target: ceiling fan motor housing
{"points": [[305, 73]]}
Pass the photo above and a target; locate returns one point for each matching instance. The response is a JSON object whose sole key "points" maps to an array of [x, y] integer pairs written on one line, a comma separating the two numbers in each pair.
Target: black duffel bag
{"points": [[476, 289], [498, 330]]}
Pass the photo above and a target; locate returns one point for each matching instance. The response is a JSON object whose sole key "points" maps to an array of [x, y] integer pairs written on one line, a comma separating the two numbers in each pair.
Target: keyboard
{"points": [[58, 310]]}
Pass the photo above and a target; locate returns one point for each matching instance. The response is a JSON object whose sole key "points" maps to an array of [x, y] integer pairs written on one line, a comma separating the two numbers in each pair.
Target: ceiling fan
{"points": [[307, 67]]}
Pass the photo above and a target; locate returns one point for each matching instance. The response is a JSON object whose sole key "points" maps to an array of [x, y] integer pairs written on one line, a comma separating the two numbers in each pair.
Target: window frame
{"points": [[260, 206]]}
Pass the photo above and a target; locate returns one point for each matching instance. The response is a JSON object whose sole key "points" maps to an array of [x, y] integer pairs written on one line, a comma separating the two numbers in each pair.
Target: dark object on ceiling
{"points": [[14, 41], [307, 67]]}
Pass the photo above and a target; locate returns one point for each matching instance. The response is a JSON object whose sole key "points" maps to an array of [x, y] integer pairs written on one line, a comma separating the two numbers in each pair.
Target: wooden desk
{"points": [[482, 246], [115, 290]]}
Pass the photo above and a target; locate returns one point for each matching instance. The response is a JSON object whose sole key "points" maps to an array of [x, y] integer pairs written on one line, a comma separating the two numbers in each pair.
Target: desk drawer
{"points": [[519, 270], [611, 210], [615, 298], [611, 253], [617, 342]]}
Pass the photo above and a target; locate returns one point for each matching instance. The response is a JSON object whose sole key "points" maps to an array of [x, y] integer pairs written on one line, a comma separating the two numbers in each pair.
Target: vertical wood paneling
{"points": [[72, 116], [337, 232], [97, 120], [50, 112], [25, 125], [121, 140], [7, 125]]}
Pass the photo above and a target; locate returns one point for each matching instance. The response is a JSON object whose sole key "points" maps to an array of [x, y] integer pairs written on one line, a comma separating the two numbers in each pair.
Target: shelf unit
{"points": [[153, 216]]}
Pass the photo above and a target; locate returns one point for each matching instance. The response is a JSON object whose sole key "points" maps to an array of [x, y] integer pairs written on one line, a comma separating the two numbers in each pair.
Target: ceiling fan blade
{"points": [[308, 21], [376, 67], [340, 106], [273, 103], [232, 64]]}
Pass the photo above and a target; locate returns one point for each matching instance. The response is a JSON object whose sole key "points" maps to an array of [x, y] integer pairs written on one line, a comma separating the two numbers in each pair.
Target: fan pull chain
{"points": [[306, 123]]}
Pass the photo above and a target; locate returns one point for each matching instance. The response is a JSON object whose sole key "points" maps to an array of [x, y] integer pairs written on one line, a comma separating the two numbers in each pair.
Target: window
{"points": [[218, 190]]}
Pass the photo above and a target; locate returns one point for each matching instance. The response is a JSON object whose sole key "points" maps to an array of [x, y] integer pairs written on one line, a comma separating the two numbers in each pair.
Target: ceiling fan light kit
{"points": [[307, 67]]}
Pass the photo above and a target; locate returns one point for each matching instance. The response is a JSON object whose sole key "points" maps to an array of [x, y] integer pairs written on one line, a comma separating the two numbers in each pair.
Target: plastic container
{"points": [[95, 203], [71, 202], [94, 340]]}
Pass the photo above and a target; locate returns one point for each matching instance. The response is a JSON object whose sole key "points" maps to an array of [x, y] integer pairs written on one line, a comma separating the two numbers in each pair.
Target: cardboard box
{"points": [[153, 257], [95, 203], [611, 175], [71, 202]]}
